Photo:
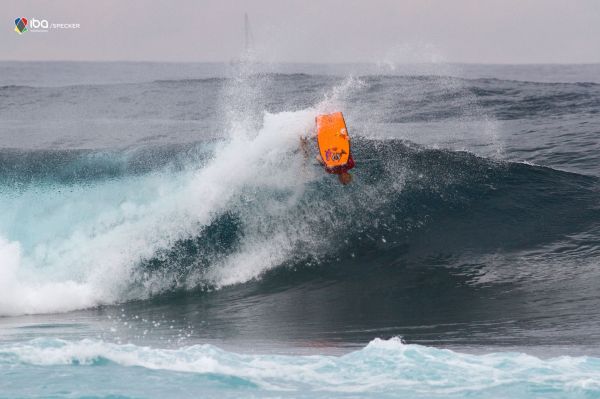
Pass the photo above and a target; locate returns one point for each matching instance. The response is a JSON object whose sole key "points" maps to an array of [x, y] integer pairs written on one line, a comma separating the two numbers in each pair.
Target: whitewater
{"points": [[164, 227]]}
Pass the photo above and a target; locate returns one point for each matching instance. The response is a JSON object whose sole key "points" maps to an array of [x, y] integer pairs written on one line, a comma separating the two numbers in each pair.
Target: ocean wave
{"points": [[382, 368], [101, 237], [92, 227]]}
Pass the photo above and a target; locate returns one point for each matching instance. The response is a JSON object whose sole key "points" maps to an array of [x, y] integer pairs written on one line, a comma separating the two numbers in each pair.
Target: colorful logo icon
{"points": [[21, 25], [333, 154]]}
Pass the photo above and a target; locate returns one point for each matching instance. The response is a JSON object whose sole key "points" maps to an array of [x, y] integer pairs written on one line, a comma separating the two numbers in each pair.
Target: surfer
{"points": [[334, 146]]}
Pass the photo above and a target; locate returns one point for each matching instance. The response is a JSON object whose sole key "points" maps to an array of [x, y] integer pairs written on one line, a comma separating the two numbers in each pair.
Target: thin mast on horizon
{"points": [[247, 34]]}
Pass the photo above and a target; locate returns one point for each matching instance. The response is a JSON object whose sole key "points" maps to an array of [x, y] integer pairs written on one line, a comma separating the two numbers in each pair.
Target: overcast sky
{"points": [[475, 31]]}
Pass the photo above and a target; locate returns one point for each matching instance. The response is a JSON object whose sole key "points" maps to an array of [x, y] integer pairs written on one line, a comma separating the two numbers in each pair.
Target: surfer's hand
{"points": [[304, 146]]}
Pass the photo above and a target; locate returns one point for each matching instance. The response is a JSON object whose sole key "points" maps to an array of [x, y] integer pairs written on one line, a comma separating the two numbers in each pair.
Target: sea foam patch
{"points": [[383, 367]]}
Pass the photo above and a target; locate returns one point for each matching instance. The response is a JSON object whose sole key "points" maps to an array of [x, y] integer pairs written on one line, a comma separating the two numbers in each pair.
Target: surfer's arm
{"points": [[304, 146]]}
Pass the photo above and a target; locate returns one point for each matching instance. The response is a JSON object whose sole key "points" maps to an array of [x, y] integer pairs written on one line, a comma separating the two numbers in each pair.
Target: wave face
{"points": [[473, 202], [381, 369], [107, 227]]}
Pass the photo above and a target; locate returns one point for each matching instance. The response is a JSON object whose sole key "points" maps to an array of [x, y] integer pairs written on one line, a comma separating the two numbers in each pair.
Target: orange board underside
{"points": [[333, 140]]}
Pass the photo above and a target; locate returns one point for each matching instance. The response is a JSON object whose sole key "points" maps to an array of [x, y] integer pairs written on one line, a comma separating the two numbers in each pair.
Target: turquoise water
{"points": [[384, 368]]}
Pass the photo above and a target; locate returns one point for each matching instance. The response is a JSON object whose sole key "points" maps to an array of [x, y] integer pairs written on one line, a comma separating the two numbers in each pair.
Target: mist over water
{"points": [[145, 215]]}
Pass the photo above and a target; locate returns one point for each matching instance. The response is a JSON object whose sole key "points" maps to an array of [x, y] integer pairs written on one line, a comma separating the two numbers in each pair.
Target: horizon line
{"points": [[309, 62]]}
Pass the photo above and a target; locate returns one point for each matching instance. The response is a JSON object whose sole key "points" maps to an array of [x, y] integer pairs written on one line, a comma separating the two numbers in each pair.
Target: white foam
{"points": [[80, 247], [18, 296], [389, 367]]}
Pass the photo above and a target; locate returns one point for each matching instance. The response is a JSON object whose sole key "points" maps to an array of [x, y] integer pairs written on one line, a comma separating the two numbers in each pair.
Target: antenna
{"points": [[247, 34]]}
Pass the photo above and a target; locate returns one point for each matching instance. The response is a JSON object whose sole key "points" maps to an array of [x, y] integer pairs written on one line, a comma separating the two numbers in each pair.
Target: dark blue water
{"points": [[162, 234]]}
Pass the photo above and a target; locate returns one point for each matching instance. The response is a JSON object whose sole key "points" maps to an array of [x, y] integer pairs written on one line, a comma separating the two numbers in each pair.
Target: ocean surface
{"points": [[161, 234]]}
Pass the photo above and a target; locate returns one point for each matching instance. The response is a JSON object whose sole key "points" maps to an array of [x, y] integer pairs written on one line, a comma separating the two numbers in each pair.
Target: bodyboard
{"points": [[333, 140]]}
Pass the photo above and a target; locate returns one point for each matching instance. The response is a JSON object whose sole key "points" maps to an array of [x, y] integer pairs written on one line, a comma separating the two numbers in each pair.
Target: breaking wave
{"points": [[382, 368]]}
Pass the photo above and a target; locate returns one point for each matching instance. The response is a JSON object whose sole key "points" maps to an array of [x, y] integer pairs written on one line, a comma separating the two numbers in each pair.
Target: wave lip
{"points": [[383, 367]]}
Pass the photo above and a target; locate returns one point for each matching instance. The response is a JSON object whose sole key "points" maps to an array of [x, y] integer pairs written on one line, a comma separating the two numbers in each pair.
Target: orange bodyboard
{"points": [[333, 140]]}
